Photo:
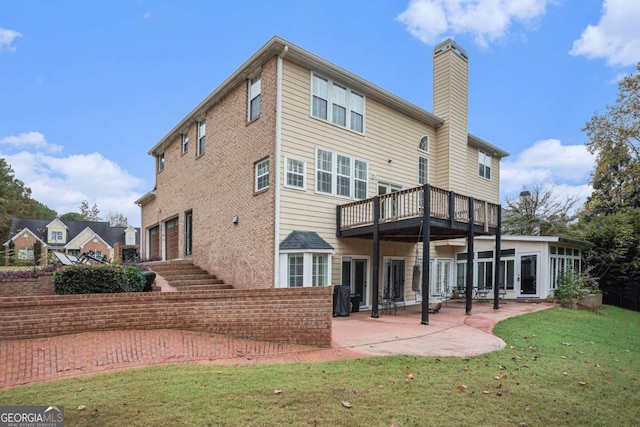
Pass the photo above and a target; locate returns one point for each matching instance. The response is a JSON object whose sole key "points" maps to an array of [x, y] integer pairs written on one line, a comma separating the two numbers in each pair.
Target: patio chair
{"points": [[445, 295]]}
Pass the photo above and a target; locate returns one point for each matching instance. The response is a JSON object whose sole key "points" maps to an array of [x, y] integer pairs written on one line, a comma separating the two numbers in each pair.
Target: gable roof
{"points": [[25, 230], [103, 229], [304, 241]]}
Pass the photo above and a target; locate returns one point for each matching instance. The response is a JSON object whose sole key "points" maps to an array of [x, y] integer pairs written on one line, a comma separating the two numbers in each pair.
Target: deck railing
{"points": [[409, 203]]}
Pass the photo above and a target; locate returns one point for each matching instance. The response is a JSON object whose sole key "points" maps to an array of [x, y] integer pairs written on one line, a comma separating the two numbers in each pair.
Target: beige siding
{"points": [[479, 187]]}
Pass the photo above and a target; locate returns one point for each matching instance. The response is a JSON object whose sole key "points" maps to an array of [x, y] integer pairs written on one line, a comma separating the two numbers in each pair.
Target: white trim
{"points": [[428, 144], [483, 158], [201, 142], [276, 168], [419, 169], [93, 237], [250, 87]]}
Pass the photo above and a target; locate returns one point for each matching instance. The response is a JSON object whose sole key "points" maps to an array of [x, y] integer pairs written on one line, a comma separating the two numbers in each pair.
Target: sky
{"points": [[87, 88]]}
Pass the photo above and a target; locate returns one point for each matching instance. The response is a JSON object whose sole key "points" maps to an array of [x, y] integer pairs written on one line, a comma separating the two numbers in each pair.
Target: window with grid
{"points": [[295, 270], [202, 138], [255, 88], [337, 104], [341, 175], [55, 236], [294, 173], [262, 174], [484, 164], [423, 170], [423, 145], [320, 272]]}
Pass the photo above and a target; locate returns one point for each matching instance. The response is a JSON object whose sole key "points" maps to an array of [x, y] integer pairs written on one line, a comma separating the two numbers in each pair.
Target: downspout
{"points": [[278, 149]]}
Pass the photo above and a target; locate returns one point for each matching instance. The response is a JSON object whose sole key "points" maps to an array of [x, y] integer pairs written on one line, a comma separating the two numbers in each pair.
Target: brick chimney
{"points": [[450, 100]]}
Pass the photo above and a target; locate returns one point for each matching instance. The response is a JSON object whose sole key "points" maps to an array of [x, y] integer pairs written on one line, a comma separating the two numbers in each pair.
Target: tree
{"points": [[89, 214], [615, 138], [72, 216], [538, 212], [117, 219]]}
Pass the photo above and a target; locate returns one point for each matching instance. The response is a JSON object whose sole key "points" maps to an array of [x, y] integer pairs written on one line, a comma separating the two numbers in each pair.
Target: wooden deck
{"points": [[400, 214]]}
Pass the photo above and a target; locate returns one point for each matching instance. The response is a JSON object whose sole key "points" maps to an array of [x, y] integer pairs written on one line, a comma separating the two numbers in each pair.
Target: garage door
{"points": [[172, 239], [154, 242]]}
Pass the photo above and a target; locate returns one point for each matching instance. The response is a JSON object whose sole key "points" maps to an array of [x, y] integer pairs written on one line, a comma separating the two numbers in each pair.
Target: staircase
{"points": [[184, 276]]}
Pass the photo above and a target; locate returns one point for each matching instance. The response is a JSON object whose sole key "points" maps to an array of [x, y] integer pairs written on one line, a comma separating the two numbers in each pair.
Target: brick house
{"points": [[71, 237], [296, 172]]}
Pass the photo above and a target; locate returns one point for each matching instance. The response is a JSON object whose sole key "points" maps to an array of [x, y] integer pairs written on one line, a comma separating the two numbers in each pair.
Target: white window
{"points": [[55, 236], [295, 173], [255, 88], [202, 138], [561, 260], [161, 162], [305, 269], [337, 104], [423, 170], [185, 143], [341, 175], [295, 270], [320, 271], [262, 174], [423, 145], [440, 275], [484, 164]]}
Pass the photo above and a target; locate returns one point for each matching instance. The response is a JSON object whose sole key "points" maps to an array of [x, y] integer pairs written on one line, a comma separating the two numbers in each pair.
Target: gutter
{"points": [[278, 149]]}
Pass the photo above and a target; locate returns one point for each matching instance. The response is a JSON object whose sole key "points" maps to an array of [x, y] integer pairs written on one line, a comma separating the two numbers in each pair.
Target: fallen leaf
{"points": [[80, 389], [485, 392], [582, 383], [526, 365], [462, 388], [572, 357], [496, 377], [410, 376], [502, 367], [563, 357], [503, 376], [81, 408], [277, 391], [565, 373], [566, 343], [598, 365], [527, 408], [511, 347], [346, 404]]}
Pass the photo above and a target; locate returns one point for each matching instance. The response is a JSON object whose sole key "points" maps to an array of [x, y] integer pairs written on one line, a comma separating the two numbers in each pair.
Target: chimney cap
{"points": [[450, 44]]}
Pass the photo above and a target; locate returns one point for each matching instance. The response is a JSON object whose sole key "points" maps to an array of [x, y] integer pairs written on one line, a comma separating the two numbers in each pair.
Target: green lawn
{"points": [[560, 368]]}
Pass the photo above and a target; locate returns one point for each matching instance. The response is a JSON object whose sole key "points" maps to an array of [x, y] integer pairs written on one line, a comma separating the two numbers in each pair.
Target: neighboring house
{"points": [[73, 238], [274, 178], [529, 265]]}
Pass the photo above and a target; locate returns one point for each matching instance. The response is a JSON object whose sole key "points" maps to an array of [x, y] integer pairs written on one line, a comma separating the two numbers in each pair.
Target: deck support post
{"points": [[426, 240], [496, 279], [376, 257], [469, 282], [452, 208]]}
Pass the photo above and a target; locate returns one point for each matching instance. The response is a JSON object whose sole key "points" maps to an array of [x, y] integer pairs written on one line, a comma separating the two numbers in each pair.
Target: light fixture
{"points": [[235, 219]]}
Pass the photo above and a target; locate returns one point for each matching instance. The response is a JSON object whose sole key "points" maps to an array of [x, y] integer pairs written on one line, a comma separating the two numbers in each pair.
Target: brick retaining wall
{"points": [[43, 285], [295, 316]]}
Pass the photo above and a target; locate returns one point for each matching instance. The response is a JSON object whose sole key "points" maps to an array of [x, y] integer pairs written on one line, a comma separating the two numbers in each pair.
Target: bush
{"points": [[572, 284], [97, 279]]}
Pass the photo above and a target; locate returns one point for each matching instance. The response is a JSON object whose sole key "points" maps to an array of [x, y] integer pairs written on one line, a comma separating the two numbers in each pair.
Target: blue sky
{"points": [[87, 88]]}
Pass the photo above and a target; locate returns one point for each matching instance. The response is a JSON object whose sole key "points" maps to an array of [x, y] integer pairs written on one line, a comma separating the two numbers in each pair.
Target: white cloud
{"points": [[146, 15], [616, 37], [6, 38], [30, 139], [486, 20], [62, 183], [549, 163]]}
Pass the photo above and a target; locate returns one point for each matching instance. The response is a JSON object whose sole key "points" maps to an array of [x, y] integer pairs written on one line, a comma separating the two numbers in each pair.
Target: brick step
{"points": [[187, 275], [180, 282], [210, 287]]}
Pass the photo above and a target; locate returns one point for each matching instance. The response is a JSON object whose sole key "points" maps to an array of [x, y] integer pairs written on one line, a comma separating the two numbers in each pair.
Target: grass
{"points": [[560, 367]]}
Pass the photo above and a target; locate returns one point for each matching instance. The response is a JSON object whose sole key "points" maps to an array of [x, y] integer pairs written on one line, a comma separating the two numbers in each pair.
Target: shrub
{"points": [[572, 284], [97, 279]]}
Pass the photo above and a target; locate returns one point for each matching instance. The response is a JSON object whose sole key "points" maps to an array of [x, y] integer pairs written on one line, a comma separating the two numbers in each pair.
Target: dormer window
{"points": [[55, 237]]}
